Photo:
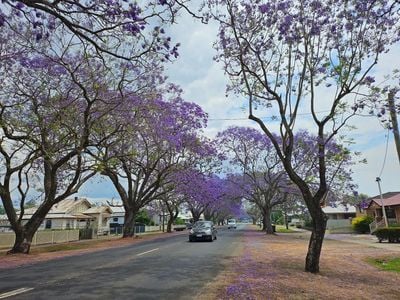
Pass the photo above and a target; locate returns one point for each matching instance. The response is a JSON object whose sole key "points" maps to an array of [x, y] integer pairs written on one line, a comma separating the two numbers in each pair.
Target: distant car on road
{"points": [[203, 230], [231, 223]]}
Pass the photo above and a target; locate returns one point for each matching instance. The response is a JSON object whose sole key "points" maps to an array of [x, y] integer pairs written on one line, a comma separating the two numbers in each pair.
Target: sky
{"points": [[203, 82]]}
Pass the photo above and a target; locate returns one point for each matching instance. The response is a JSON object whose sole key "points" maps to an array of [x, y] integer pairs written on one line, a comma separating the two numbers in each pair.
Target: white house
{"points": [[340, 212], [117, 219], [76, 213], [339, 218], [101, 216], [67, 214]]}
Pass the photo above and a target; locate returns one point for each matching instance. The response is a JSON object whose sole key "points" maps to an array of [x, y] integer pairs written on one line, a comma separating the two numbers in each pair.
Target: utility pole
{"points": [[378, 180]]}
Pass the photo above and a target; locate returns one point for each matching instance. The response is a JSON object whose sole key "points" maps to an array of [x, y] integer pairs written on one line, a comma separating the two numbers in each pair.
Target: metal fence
{"points": [[339, 226]]}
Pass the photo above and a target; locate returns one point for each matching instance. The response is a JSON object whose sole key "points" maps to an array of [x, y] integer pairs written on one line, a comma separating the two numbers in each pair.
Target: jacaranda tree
{"points": [[125, 30], [260, 172], [152, 144], [295, 57], [51, 99]]}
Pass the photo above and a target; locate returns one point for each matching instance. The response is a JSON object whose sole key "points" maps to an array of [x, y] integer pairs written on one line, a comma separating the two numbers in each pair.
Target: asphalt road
{"points": [[169, 268]]}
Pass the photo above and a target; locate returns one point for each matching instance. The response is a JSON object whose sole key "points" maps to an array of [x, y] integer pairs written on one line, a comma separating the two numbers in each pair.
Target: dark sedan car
{"points": [[203, 230]]}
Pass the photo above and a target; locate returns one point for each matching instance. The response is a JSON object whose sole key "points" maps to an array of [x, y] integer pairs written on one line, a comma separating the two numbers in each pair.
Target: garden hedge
{"points": [[361, 224], [392, 234]]}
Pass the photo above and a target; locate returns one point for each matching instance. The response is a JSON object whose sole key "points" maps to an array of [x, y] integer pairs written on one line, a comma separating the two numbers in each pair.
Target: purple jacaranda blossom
{"points": [[121, 23]]}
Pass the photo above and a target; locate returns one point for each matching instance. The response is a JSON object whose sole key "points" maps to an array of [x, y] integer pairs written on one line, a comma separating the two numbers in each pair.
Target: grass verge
{"points": [[282, 229], [386, 263]]}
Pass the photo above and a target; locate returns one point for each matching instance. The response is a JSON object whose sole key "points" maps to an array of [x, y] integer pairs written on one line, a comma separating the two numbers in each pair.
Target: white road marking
{"points": [[152, 250], [15, 292]]}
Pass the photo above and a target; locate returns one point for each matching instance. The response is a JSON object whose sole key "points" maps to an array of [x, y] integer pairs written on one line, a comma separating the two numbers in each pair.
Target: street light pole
{"points": [[378, 180]]}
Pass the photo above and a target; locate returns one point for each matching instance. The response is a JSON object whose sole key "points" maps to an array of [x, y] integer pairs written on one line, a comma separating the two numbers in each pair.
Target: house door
{"points": [[48, 224]]}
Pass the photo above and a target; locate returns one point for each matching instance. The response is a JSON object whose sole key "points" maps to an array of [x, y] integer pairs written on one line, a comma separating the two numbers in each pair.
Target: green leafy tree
{"points": [[143, 217]]}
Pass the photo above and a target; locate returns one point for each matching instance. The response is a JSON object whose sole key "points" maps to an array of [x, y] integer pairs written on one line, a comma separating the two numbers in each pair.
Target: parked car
{"points": [[231, 223], [203, 230]]}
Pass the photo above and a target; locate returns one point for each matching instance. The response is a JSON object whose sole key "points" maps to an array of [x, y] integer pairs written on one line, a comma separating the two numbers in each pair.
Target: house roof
{"points": [[82, 216], [63, 207], [117, 209], [389, 199], [339, 209], [98, 210], [67, 205]]}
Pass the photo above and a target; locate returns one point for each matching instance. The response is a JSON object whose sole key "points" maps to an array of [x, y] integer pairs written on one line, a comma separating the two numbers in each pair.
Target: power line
{"points": [[272, 118]]}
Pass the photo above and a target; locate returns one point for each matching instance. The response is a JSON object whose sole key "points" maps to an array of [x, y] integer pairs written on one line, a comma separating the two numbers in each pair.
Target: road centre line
{"points": [[143, 253], [15, 292]]}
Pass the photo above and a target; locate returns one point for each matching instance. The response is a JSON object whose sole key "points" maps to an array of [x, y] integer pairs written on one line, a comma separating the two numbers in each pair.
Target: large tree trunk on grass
{"points": [[264, 223], [129, 223], [319, 220], [267, 221], [23, 241], [24, 233], [169, 224], [173, 215]]}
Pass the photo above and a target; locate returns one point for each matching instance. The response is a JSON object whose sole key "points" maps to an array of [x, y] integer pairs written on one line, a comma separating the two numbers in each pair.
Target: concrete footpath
{"points": [[363, 239]]}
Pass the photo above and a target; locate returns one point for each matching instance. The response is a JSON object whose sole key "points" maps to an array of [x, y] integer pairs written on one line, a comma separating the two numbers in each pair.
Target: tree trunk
{"points": [[267, 221], [129, 223], [24, 233], [264, 222], [169, 225], [173, 215], [286, 220], [395, 124], [196, 215], [23, 241], [208, 216], [319, 220], [171, 221]]}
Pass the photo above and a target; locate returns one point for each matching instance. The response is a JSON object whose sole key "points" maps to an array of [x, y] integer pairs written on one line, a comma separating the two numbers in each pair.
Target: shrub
{"points": [[392, 234], [361, 224], [179, 221]]}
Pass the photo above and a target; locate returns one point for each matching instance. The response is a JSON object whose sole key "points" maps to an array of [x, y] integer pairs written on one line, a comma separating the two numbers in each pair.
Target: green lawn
{"points": [[282, 229], [387, 264]]}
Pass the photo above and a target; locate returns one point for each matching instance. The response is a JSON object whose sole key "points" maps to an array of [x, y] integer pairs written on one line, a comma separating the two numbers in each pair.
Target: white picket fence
{"points": [[42, 237]]}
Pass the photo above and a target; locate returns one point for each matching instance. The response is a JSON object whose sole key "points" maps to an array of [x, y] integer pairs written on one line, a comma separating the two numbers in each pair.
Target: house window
{"points": [[115, 219], [48, 224], [390, 213]]}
